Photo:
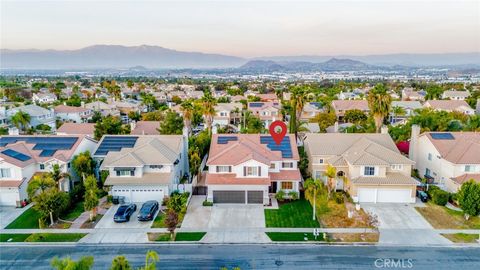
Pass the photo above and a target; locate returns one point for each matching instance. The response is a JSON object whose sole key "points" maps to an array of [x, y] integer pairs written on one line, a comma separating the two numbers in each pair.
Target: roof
{"points": [[231, 179], [390, 179], [10, 183], [32, 110], [246, 147], [148, 150], [407, 104], [356, 148], [146, 128], [77, 128], [99, 105], [292, 175], [464, 148], [346, 105], [260, 106], [452, 93], [228, 106], [69, 109], [448, 105], [146, 179], [466, 177]]}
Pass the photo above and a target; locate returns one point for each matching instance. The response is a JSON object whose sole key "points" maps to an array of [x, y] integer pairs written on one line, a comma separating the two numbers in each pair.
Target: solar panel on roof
{"points": [[255, 104], [47, 153], [115, 144], [16, 155], [442, 136], [226, 139], [284, 147]]}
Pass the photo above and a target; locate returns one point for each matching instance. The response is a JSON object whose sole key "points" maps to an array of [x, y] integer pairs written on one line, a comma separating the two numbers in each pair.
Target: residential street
{"points": [[248, 256]]}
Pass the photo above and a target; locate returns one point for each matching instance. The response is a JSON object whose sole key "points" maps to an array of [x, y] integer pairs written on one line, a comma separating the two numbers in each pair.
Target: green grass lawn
{"points": [[158, 222], [74, 212], [462, 237], [14, 237], [27, 220], [293, 236], [189, 236], [296, 214], [160, 237], [55, 237], [442, 217]]}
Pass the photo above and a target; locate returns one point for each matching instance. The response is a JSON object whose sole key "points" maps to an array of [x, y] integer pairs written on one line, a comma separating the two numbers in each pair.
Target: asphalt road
{"points": [[250, 256]]}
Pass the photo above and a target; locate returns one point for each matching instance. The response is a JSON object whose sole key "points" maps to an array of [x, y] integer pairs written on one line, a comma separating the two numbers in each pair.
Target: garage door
{"points": [[255, 197], [372, 195], [139, 194], [228, 196], [8, 197]]}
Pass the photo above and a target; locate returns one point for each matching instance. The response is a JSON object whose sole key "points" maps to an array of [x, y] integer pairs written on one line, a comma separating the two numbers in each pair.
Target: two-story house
{"points": [[143, 167], [21, 157], [73, 114], [246, 168], [450, 106], [341, 106], [310, 110], [102, 107], [266, 111], [369, 166], [447, 159], [38, 115], [43, 98], [227, 113]]}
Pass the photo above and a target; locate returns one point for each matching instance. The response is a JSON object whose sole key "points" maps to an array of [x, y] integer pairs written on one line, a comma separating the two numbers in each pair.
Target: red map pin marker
{"points": [[274, 128]]}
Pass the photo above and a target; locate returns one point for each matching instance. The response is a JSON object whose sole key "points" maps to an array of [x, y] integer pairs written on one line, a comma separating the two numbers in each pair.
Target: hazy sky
{"points": [[246, 28]]}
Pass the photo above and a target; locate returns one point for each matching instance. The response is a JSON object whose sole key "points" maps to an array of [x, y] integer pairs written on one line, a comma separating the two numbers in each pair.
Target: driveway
{"points": [[10, 213], [401, 224], [107, 220], [226, 223]]}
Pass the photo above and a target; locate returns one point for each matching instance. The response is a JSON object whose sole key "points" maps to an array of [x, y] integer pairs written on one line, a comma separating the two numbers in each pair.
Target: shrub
{"points": [[431, 190], [440, 197], [453, 197], [109, 198], [207, 203], [293, 195], [280, 196], [165, 200], [338, 197]]}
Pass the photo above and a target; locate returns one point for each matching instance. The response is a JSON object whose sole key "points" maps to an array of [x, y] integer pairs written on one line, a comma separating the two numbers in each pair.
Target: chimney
{"points": [[384, 130], [335, 127], [412, 151]]}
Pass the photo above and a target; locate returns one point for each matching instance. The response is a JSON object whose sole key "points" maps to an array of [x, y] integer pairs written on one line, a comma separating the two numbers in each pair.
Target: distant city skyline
{"points": [[246, 28]]}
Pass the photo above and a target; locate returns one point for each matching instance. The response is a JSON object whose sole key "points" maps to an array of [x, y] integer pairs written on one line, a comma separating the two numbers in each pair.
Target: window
{"points": [[320, 161], [272, 165], [469, 168], [224, 169], [251, 171], [156, 166], [369, 170], [396, 167], [317, 174], [126, 173], [287, 164], [287, 185], [223, 113], [430, 156], [427, 172], [42, 166], [5, 173]]}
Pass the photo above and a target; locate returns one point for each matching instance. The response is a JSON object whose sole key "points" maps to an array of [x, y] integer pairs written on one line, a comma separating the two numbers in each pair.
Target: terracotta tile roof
{"points": [[69, 109], [146, 179], [246, 147], [230, 179], [77, 128], [389, 179], [448, 105], [466, 177], [463, 149], [146, 128], [292, 175], [10, 183], [345, 105]]}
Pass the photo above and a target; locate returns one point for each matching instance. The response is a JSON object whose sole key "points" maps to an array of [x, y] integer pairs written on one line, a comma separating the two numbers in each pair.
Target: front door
{"points": [[273, 188]]}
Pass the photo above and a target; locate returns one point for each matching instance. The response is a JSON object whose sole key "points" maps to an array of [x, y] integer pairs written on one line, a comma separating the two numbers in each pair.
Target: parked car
{"points": [[148, 210], [124, 212], [422, 195]]}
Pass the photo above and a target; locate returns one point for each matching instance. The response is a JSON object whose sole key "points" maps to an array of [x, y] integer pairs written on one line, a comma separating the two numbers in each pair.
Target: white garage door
{"points": [[8, 197], [373, 195], [140, 194]]}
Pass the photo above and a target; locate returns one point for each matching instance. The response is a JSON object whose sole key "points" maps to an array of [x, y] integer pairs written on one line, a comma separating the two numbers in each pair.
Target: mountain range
{"points": [[155, 57]]}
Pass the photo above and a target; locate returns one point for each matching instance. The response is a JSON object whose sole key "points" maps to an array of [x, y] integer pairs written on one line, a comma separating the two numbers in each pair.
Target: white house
{"points": [[266, 111], [227, 113], [73, 114], [21, 157], [455, 95], [38, 115], [43, 98]]}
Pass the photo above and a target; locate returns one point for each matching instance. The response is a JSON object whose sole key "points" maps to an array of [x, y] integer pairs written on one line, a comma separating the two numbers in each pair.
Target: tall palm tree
{"points": [[297, 102], [379, 102], [21, 120], [187, 109], [40, 183], [331, 173], [311, 187], [208, 102], [150, 260]]}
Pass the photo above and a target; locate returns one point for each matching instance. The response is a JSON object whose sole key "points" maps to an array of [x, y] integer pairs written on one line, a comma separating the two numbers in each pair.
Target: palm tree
{"points": [[57, 175], [379, 103], [39, 184], [150, 260], [311, 187], [208, 102], [120, 263], [148, 100], [297, 102], [398, 111], [21, 120], [187, 109], [331, 173], [84, 263]]}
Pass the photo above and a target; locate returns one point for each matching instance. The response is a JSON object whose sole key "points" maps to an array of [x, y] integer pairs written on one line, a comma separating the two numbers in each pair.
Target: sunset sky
{"points": [[246, 28]]}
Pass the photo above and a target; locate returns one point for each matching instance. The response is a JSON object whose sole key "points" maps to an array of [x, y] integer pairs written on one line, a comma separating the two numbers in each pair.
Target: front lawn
{"points": [[14, 237], [74, 212], [158, 222], [295, 214], [293, 236], [159, 237], [441, 217], [335, 215], [354, 237], [55, 237], [27, 220], [189, 236], [462, 237]]}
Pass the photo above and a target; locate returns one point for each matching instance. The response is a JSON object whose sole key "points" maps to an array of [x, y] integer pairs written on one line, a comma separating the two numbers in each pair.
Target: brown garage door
{"points": [[255, 197], [228, 196]]}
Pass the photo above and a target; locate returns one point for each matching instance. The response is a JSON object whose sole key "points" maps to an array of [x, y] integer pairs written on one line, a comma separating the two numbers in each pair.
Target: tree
{"points": [[176, 100], [39, 184], [311, 188], [129, 84], [134, 115], [149, 101], [96, 117], [297, 102], [355, 116], [120, 263], [194, 160], [91, 195], [21, 120], [175, 203], [173, 124], [469, 198], [434, 91], [85, 263], [187, 109], [83, 164], [398, 111], [208, 102], [57, 175], [379, 102], [253, 124], [171, 221], [324, 120], [150, 260], [331, 173], [109, 125], [49, 201]]}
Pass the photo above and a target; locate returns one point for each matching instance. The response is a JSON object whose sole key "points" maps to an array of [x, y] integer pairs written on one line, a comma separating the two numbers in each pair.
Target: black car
{"points": [[124, 212], [422, 195], [148, 210]]}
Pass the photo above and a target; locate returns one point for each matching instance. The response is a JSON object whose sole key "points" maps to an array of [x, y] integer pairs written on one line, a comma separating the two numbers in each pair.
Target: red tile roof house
{"points": [[77, 129], [266, 111], [243, 169], [341, 106], [21, 157]]}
